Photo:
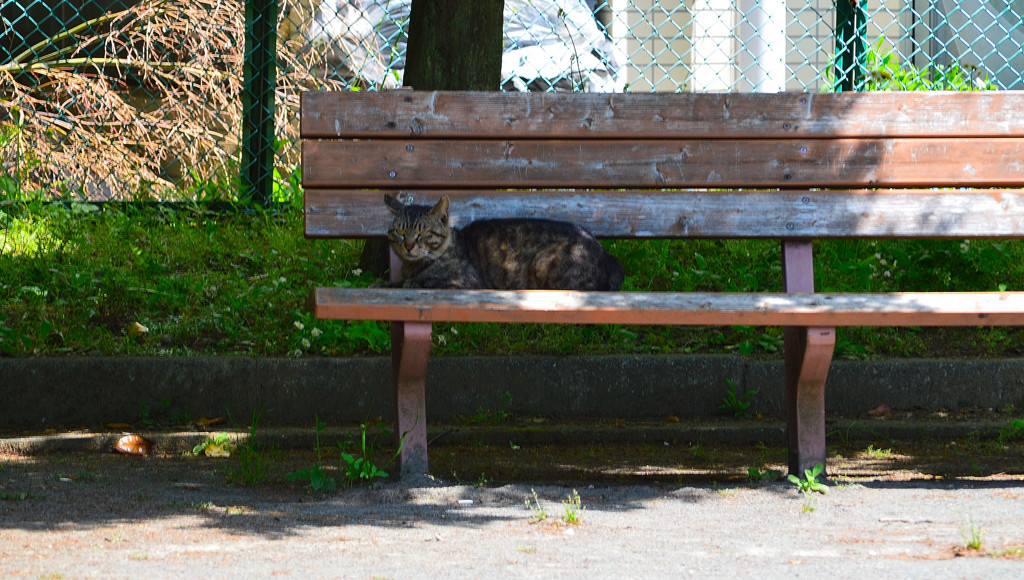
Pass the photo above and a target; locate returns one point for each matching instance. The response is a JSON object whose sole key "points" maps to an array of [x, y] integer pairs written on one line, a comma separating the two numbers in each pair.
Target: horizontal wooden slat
{"points": [[544, 115], [665, 163], [701, 214], [539, 306]]}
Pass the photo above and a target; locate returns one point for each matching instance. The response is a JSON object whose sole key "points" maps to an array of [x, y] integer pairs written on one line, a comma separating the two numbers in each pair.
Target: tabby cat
{"points": [[503, 254]]}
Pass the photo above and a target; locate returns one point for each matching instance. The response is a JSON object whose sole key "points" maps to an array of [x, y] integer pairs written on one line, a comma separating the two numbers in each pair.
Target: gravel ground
{"points": [[90, 514]]}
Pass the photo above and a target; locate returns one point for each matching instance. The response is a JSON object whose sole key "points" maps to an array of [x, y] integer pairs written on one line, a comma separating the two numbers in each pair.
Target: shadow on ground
{"points": [[74, 479]]}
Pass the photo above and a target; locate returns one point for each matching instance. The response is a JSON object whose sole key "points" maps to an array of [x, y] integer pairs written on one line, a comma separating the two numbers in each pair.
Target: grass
{"points": [[971, 533], [539, 513], [166, 281], [737, 405], [573, 508], [878, 453], [252, 459]]}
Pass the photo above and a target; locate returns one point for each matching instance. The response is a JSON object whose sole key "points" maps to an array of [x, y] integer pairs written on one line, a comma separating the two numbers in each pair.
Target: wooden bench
{"points": [[791, 167]]}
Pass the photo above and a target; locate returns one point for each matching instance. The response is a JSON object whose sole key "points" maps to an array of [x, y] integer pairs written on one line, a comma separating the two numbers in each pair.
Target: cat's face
{"points": [[418, 232]]}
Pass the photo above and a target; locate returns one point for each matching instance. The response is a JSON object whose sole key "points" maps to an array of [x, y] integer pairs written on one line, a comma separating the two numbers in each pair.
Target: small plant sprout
{"points": [[216, 446], [316, 476], [738, 405], [757, 476], [810, 481], [971, 533], [252, 464], [539, 515], [573, 509], [361, 469], [809, 504], [878, 453]]}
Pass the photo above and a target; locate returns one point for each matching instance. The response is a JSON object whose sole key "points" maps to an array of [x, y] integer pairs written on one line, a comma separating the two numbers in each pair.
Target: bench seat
{"points": [[671, 308]]}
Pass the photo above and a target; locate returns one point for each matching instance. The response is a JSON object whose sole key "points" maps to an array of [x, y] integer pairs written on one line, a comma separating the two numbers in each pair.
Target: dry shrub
{"points": [[144, 103]]}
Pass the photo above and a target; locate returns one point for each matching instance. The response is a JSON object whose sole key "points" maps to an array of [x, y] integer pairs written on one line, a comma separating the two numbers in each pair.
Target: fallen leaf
{"points": [[673, 419], [218, 450], [133, 445], [882, 410], [136, 328], [206, 423]]}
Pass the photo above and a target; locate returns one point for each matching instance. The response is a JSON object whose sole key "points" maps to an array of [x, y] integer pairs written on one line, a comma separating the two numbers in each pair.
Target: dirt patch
{"points": [[543, 452]]}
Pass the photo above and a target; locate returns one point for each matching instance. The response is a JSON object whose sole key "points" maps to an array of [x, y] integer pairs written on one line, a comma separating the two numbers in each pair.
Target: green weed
{"points": [[1013, 431], [756, 476], [490, 416], [809, 504], [573, 509], [878, 453], [252, 460], [971, 534], [315, 476], [539, 514], [360, 468], [810, 481], [738, 405], [355, 467], [11, 496], [479, 482]]}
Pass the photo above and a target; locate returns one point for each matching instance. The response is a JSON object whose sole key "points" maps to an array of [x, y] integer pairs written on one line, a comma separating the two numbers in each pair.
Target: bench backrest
{"points": [[788, 165]]}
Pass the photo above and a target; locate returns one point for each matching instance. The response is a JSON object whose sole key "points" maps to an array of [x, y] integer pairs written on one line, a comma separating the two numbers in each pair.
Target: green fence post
{"points": [[851, 44], [259, 78]]}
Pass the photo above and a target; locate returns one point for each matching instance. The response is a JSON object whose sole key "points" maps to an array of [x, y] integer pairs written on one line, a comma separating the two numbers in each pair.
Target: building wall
{"points": [[698, 45]]}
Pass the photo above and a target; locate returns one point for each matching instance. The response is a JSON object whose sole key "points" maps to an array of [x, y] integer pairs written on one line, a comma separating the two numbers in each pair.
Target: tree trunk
{"points": [[453, 45]]}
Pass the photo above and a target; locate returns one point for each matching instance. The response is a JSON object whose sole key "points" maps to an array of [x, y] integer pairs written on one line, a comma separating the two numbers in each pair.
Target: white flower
{"points": [[455, 331], [441, 340], [887, 274], [299, 325], [357, 272], [305, 343], [316, 332]]}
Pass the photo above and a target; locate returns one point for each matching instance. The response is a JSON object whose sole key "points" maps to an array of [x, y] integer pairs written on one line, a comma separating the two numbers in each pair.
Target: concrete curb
{"points": [[76, 392]]}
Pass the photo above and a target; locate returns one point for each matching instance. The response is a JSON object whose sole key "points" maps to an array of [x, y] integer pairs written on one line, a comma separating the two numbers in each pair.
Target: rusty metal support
{"points": [[808, 356], [410, 351]]}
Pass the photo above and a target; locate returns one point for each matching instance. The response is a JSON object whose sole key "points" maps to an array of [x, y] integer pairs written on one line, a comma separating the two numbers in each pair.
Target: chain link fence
{"points": [[151, 99]]}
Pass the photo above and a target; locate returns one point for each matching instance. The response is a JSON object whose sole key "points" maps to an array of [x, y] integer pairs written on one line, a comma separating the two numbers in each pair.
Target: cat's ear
{"points": [[441, 209], [393, 204]]}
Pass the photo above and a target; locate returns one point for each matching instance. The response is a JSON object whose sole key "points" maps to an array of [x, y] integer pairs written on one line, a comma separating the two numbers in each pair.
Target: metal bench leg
{"points": [[410, 350], [808, 357]]}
